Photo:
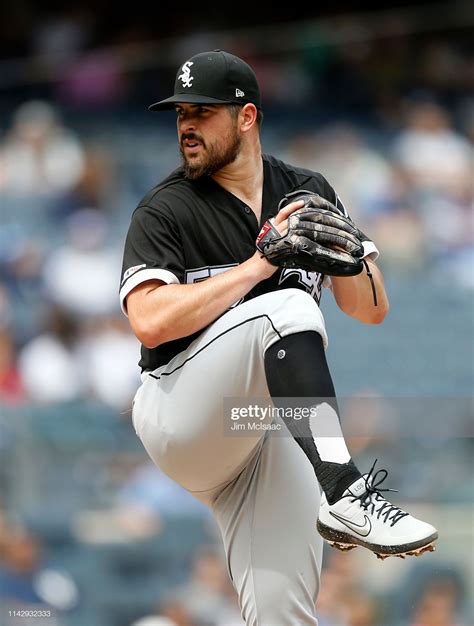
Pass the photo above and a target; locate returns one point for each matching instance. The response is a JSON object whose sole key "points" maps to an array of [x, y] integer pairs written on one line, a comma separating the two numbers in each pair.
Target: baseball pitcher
{"points": [[223, 269]]}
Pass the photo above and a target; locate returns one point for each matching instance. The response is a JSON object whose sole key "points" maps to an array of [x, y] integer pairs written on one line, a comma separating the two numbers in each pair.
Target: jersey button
{"points": [[247, 210]]}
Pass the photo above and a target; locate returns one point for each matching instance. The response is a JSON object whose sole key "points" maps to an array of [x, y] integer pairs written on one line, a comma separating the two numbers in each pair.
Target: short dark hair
{"points": [[235, 110]]}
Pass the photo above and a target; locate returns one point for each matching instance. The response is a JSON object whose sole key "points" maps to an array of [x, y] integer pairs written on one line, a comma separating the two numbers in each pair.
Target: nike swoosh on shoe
{"points": [[361, 529]]}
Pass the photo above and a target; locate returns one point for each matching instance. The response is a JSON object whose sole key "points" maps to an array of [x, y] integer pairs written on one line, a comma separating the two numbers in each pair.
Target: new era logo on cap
{"points": [[239, 93]]}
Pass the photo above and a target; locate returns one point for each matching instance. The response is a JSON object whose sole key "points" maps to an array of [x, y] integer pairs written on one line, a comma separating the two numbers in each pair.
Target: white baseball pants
{"points": [[262, 488]]}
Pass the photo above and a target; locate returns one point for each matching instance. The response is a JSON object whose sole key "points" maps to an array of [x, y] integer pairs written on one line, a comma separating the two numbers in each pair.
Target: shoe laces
{"points": [[373, 498]]}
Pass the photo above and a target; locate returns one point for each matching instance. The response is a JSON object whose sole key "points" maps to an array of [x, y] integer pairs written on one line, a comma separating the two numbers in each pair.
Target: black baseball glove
{"points": [[314, 231]]}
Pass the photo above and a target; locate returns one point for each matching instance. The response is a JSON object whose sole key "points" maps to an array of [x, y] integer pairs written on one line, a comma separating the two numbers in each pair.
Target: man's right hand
{"points": [[280, 221]]}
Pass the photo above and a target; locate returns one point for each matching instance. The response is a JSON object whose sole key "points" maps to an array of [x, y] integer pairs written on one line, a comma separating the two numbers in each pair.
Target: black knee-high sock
{"points": [[296, 367]]}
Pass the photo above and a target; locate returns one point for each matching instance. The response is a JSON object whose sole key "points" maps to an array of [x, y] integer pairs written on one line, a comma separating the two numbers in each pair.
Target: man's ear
{"points": [[248, 116]]}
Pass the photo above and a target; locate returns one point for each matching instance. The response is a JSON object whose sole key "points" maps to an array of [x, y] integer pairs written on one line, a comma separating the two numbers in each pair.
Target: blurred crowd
{"points": [[59, 269], [388, 120], [420, 594]]}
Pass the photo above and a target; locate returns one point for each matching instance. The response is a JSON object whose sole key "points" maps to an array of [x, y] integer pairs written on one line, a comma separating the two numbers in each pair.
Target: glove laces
{"points": [[374, 295]]}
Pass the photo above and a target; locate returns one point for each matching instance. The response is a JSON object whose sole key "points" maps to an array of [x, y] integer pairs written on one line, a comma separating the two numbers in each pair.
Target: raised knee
{"points": [[295, 311], [295, 297]]}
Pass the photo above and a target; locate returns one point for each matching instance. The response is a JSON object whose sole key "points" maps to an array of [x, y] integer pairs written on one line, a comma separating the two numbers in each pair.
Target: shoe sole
{"points": [[344, 542]]}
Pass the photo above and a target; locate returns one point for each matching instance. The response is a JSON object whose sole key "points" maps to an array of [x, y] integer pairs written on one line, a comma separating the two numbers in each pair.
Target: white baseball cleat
{"points": [[363, 517]]}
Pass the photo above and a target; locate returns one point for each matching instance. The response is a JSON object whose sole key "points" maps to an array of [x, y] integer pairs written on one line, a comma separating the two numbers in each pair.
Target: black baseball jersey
{"points": [[184, 231]]}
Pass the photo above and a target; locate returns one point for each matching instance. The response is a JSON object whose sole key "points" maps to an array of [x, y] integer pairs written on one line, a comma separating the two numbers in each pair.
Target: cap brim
{"points": [[191, 98]]}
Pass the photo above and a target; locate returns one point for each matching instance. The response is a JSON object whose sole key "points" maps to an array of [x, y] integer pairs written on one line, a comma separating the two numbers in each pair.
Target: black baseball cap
{"points": [[215, 77]]}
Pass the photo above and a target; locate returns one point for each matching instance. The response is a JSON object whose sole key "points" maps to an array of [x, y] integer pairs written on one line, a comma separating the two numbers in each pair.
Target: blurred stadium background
{"points": [[376, 96]]}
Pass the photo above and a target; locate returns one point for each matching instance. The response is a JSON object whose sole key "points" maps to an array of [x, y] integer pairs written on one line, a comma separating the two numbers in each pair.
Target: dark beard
{"points": [[215, 160]]}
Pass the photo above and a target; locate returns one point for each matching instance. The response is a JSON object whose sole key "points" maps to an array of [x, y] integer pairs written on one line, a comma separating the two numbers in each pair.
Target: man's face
{"points": [[208, 138]]}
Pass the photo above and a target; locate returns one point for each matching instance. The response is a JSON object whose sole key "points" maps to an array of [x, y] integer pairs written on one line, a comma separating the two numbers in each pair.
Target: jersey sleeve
{"points": [[153, 251]]}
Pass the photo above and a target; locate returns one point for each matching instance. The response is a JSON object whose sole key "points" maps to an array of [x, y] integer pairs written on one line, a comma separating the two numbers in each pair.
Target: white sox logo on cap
{"points": [[186, 77]]}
